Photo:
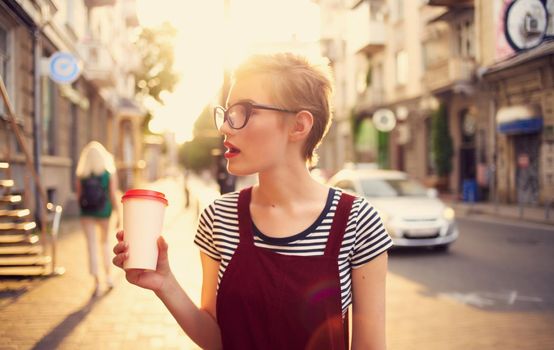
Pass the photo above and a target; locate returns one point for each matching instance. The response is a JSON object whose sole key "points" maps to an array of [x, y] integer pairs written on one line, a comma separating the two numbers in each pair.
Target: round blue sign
{"points": [[64, 67]]}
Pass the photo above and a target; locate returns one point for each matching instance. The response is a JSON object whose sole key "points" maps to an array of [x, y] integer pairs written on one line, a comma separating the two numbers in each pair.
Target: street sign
{"points": [[384, 120], [64, 67]]}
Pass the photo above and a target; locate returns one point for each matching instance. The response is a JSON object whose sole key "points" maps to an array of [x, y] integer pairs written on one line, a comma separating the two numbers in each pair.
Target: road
{"points": [[493, 290]]}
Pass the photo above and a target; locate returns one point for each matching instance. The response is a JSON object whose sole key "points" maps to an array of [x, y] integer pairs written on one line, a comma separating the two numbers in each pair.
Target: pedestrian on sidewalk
{"points": [[283, 260], [96, 190]]}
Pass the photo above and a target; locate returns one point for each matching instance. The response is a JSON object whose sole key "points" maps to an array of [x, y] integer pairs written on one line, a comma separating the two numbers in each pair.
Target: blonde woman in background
{"points": [[96, 191]]}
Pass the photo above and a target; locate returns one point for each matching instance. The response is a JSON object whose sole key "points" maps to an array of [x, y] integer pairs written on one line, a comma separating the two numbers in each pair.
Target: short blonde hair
{"points": [[296, 84], [94, 160]]}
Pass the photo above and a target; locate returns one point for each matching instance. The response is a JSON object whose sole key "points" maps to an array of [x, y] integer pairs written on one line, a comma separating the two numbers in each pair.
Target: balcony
{"points": [[99, 3], [374, 38], [448, 74], [99, 65], [450, 3]]}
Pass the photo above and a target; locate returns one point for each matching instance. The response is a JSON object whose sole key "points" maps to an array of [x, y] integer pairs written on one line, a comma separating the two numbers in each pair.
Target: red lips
{"points": [[232, 150]]}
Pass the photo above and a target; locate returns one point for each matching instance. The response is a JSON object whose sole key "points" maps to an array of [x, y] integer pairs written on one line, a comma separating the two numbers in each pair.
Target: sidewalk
{"points": [[501, 211], [60, 312]]}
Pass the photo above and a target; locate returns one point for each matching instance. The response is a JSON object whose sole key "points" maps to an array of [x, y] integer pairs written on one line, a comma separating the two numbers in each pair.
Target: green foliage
{"points": [[198, 154], [383, 149], [368, 77], [442, 142], [156, 74]]}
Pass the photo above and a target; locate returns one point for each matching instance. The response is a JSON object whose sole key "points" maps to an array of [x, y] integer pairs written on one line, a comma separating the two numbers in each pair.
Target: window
{"points": [[397, 12], [429, 145], [70, 13], [6, 69], [48, 111], [401, 67], [465, 39], [392, 188], [400, 9]]}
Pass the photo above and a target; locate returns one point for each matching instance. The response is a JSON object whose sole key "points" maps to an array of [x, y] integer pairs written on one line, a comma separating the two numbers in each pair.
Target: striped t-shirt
{"points": [[365, 237]]}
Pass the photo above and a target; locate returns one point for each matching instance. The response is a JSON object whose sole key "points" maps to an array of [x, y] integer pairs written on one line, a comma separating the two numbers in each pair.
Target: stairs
{"points": [[21, 251]]}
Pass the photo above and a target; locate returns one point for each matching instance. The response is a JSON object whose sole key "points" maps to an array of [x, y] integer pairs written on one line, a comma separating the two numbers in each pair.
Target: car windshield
{"points": [[392, 188]]}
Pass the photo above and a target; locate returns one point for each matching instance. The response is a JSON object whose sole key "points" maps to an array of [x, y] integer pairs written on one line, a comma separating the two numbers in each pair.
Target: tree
{"points": [[197, 154], [155, 73], [442, 142]]}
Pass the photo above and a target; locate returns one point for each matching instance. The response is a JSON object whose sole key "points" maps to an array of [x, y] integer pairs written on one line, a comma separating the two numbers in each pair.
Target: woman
{"points": [[96, 190], [282, 261]]}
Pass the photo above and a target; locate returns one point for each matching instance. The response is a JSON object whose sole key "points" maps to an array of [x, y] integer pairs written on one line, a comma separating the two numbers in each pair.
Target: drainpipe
{"points": [[37, 130]]}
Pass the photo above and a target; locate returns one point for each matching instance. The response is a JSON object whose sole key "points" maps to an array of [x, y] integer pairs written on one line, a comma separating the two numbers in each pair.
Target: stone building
{"points": [[408, 57], [57, 120], [518, 85]]}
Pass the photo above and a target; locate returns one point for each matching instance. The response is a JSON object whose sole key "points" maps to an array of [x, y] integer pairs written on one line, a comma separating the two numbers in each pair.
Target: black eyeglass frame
{"points": [[248, 107]]}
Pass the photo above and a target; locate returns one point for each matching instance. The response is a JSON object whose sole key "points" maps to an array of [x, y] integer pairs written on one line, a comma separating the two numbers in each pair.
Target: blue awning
{"points": [[522, 126], [519, 119]]}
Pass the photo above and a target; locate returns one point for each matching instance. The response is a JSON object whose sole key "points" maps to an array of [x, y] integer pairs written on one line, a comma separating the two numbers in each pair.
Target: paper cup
{"points": [[143, 215]]}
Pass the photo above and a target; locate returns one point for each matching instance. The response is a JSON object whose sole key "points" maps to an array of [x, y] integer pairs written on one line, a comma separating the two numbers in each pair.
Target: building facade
{"points": [[410, 57], [58, 120], [518, 80]]}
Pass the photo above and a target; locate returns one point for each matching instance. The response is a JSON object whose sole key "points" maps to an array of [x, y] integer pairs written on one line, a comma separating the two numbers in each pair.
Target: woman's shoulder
{"points": [[357, 199], [227, 201]]}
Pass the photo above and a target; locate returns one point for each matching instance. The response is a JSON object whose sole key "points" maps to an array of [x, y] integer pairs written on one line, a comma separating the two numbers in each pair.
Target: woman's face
{"points": [[262, 144]]}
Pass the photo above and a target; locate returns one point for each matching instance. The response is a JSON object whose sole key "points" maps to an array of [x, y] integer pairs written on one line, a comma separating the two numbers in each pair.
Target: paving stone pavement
{"points": [[60, 312]]}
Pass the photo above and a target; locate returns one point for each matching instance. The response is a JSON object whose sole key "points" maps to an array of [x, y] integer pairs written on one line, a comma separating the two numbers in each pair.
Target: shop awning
{"points": [[519, 119]]}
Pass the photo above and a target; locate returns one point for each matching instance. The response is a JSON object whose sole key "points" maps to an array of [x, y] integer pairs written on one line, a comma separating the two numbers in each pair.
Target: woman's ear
{"points": [[303, 123]]}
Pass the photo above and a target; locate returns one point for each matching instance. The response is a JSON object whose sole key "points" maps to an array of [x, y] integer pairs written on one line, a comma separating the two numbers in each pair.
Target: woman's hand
{"points": [[153, 280]]}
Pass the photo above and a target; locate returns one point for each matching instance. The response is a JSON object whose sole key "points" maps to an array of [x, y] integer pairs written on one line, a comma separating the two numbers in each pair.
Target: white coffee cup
{"points": [[143, 215]]}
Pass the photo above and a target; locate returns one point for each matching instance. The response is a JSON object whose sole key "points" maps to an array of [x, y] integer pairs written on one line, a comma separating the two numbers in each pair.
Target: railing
{"points": [[46, 206], [99, 62], [448, 71]]}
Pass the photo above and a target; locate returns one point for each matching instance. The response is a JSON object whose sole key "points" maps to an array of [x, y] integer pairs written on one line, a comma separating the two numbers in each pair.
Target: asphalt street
{"points": [[492, 290]]}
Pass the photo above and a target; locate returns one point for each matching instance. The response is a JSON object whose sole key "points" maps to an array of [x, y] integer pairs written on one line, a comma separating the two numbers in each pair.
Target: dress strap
{"points": [[338, 226], [245, 221]]}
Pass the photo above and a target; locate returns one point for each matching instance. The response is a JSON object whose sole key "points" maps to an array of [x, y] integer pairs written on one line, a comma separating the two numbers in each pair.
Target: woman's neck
{"points": [[281, 187]]}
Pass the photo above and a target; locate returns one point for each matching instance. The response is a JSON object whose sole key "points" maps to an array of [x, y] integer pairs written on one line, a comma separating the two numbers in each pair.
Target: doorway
{"points": [[526, 152], [468, 128]]}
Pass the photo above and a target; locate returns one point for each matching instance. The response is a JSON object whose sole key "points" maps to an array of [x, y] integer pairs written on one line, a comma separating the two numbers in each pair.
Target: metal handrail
{"points": [[23, 145], [57, 211]]}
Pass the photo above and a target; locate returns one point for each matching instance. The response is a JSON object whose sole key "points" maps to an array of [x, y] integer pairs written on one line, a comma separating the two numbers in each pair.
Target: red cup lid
{"points": [[144, 194]]}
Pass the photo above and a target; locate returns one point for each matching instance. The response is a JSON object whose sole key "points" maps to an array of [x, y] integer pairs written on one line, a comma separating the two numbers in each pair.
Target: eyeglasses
{"points": [[237, 115]]}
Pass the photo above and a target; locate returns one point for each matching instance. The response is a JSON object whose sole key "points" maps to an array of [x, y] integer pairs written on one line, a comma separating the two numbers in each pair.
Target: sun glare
{"points": [[207, 41]]}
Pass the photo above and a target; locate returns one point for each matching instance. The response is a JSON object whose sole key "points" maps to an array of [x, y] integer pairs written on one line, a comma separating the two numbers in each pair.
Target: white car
{"points": [[412, 214]]}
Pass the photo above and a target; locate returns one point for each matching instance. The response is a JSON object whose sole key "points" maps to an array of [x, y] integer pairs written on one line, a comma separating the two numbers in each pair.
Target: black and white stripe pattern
{"points": [[365, 237]]}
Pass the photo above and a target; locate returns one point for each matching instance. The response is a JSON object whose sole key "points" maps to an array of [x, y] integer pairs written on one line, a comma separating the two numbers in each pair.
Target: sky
{"points": [[204, 39]]}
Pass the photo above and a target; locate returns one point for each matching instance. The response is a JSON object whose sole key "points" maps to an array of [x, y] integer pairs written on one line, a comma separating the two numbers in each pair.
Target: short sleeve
{"points": [[372, 238], [204, 233]]}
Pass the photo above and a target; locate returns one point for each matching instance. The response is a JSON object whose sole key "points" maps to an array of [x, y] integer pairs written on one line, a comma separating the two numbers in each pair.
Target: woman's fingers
{"points": [[162, 244], [119, 259], [120, 247], [120, 250]]}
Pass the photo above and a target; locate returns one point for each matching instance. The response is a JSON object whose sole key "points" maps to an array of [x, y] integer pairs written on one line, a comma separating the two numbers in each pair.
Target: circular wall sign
{"points": [[384, 120], [525, 24], [64, 67]]}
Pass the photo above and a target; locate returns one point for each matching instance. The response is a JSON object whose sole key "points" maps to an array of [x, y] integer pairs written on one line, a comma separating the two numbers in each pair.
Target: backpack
{"points": [[93, 196]]}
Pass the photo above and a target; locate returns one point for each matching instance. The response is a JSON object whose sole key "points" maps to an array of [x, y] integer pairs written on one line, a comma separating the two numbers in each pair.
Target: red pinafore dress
{"points": [[268, 300]]}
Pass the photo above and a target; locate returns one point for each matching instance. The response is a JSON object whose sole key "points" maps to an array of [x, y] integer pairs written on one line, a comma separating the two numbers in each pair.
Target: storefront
{"points": [[523, 92]]}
